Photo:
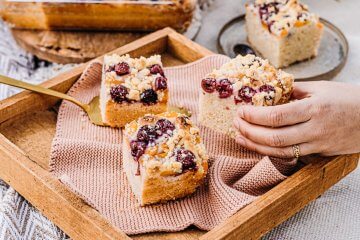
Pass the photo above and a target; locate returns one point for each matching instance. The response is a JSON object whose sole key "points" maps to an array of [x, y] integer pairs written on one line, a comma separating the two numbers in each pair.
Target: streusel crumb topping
{"points": [[167, 142], [280, 16], [134, 79], [250, 80]]}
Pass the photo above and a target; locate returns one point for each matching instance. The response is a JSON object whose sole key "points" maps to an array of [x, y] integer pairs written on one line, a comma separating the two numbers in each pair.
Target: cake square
{"points": [[131, 88], [283, 31], [243, 80], [163, 156]]}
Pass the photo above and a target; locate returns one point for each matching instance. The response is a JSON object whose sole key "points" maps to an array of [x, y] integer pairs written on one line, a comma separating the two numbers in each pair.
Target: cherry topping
{"points": [[154, 69], [269, 24], [137, 149], [149, 96], [268, 89], [208, 84], [224, 87], [266, 10], [122, 68], [165, 126], [147, 134], [118, 93], [245, 94], [187, 158], [160, 83]]}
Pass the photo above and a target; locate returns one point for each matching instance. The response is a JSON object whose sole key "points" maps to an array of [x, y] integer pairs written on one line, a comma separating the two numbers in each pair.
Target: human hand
{"points": [[325, 119]]}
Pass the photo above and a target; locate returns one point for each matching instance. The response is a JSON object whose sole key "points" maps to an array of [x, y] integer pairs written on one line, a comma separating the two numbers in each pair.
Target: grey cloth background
{"points": [[335, 215]]}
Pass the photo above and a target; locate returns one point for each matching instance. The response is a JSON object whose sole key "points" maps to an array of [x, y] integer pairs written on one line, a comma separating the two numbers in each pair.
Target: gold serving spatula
{"points": [[92, 109]]}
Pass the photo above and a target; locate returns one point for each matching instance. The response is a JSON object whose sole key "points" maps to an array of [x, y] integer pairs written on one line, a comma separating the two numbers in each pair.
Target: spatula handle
{"points": [[39, 89]]}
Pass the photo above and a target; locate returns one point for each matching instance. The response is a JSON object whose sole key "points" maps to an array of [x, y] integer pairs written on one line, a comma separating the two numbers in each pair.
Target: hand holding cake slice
{"points": [[163, 156], [243, 80], [283, 31], [131, 88]]}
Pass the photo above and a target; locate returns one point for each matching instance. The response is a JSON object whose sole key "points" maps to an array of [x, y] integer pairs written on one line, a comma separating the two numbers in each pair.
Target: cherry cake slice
{"points": [[164, 157], [243, 80], [283, 31], [131, 88]]}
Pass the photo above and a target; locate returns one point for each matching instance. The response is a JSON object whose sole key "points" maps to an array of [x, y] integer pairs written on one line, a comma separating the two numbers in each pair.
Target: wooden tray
{"points": [[27, 126]]}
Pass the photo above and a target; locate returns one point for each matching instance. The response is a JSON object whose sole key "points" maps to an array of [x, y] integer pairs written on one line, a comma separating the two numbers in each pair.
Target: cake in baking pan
{"points": [[131, 88], [163, 156], [243, 80], [139, 15], [283, 31]]}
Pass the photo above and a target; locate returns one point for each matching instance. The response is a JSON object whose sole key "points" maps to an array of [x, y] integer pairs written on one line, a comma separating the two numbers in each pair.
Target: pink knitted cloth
{"points": [[88, 159]]}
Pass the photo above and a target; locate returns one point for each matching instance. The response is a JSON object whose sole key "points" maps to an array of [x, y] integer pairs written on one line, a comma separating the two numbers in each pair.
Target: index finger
{"points": [[277, 116]]}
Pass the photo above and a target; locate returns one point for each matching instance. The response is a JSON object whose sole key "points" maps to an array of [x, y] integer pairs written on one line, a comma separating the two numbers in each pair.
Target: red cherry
{"points": [[224, 87], [122, 68], [208, 85], [160, 83], [154, 69]]}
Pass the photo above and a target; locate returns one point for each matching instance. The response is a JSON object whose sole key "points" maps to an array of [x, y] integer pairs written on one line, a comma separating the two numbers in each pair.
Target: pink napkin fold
{"points": [[88, 159]]}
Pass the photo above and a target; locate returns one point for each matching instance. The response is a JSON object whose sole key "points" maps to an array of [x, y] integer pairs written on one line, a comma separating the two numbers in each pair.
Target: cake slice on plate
{"points": [[163, 156], [131, 88], [243, 80], [283, 31]]}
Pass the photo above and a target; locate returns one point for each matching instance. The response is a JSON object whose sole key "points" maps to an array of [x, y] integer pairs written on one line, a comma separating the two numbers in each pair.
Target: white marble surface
{"points": [[336, 214]]}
